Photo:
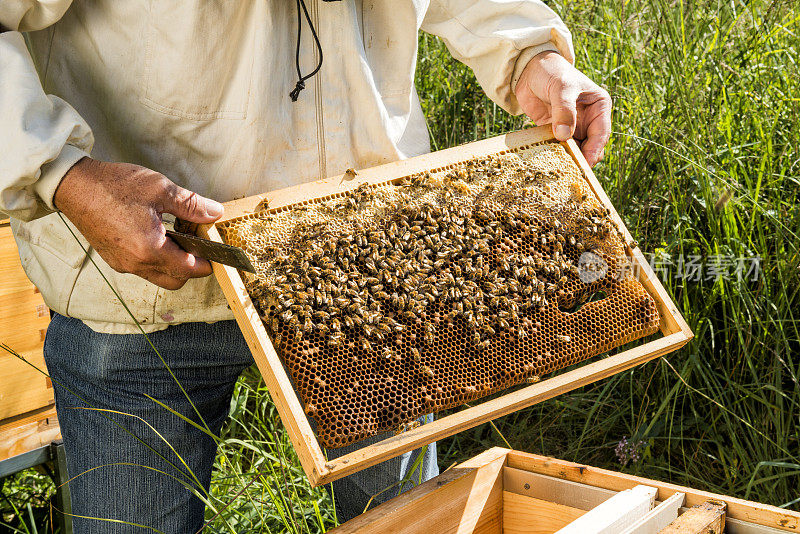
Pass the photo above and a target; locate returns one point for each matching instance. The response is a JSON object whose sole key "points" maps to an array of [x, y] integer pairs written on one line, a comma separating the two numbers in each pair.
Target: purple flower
{"points": [[629, 451]]}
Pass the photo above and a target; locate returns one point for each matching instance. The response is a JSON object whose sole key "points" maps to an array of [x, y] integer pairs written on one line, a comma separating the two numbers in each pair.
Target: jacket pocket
{"points": [[199, 58], [51, 256]]}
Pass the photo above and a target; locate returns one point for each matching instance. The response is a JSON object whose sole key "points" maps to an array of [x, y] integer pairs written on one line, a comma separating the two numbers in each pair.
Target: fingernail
{"points": [[562, 132], [214, 208]]}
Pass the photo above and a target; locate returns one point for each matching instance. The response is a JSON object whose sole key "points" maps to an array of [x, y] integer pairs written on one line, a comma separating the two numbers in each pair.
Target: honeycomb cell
{"points": [[396, 300]]}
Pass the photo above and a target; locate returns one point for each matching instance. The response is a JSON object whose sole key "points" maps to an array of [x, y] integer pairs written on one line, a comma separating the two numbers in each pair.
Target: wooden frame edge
{"points": [[427, 488], [341, 183], [671, 317], [491, 409], [676, 332], [289, 407]]}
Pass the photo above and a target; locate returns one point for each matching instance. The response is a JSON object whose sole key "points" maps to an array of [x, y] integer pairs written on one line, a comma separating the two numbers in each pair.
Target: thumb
{"points": [[190, 206], [563, 103]]}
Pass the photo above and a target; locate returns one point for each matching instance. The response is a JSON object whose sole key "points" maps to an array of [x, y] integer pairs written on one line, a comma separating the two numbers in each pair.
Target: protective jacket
{"points": [[199, 91]]}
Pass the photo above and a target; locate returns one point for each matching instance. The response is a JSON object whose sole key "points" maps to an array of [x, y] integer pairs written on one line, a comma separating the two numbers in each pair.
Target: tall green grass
{"points": [[706, 104]]}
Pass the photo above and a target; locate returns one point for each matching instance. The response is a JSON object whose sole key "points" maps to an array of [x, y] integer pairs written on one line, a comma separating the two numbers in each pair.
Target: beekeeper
{"points": [[114, 113]]}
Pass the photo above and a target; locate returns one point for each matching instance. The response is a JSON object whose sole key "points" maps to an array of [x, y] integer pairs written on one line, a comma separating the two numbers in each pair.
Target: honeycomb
{"points": [[405, 298]]}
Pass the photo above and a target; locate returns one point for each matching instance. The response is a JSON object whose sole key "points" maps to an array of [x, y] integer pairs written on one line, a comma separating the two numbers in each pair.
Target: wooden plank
{"points": [[466, 498], [28, 432], [737, 526], [568, 493], [23, 387], [14, 278], [529, 515], [24, 319], [615, 514], [740, 509], [659, 517], [705, 518], [305, 443], [24, 323]]}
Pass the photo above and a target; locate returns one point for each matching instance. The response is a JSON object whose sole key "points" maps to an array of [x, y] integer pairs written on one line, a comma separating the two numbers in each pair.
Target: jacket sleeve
{"points": [[497, 38], [42, 136]]}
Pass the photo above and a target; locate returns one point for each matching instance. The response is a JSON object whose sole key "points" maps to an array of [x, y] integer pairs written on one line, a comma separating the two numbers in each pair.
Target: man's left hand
{"points": [[551, 90]]}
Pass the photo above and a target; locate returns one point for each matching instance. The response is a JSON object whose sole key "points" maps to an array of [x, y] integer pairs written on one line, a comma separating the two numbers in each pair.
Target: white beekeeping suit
{"points": [[199, 91]]}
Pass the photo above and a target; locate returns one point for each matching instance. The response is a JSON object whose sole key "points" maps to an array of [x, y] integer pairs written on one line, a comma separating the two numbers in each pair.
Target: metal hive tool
{"points": [[397, 300]]}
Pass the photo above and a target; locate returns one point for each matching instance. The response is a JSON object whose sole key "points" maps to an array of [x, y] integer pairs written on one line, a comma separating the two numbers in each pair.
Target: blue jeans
{"points": [[123, 470]]}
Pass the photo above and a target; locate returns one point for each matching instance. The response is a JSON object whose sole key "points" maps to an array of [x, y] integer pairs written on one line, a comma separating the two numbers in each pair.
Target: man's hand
{"points": [[551, 90], [118, 207]]}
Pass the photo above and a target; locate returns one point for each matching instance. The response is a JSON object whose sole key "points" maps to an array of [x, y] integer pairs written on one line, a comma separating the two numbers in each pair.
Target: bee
{"points": [[262, 205], [405, 427]]}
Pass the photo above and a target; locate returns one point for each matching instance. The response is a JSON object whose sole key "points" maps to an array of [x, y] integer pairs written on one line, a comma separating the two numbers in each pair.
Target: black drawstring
{"points": [[301, 83]]}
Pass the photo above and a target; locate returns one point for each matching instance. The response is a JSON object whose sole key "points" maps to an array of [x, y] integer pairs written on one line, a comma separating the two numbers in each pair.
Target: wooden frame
{"points": [[676, 332], [512, 492]]}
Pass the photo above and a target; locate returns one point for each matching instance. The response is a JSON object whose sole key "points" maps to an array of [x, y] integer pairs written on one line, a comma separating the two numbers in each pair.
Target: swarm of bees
{"points": [[393, 301]]}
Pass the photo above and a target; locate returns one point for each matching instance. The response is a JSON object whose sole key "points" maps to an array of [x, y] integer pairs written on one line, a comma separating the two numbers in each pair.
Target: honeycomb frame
{"points": [[291, 410]]}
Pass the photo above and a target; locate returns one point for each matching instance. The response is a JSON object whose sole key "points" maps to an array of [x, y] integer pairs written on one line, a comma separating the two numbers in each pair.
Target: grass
{"points": [[707, 102]]}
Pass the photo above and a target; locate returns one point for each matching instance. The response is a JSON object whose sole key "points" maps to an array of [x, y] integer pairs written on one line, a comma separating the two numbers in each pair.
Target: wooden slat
{"points": [[705, 518], [615, 514], [659, 517], [289, 406], [761, 514], [554, 489], [466, 498], [529, 515], [28, 432], [737, 526]]}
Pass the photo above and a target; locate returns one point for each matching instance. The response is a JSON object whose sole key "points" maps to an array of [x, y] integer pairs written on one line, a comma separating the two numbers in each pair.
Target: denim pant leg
{"points": [[380, 482], [123, 469]]}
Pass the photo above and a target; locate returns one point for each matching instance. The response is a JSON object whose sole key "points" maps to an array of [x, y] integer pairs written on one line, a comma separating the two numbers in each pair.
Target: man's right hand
{"points": [[118, 206]]}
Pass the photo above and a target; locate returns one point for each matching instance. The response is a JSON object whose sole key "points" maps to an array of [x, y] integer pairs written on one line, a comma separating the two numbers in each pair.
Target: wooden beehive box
{"points": [[23, 321], [506, 491], [674, 332]]}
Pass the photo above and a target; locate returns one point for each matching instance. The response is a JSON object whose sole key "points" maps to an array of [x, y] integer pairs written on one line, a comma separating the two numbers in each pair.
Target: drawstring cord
{"points": [[301, 82]]}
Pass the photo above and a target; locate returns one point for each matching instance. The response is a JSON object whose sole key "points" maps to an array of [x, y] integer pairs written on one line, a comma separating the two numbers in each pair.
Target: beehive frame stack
{"points": [[675, 331]]}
